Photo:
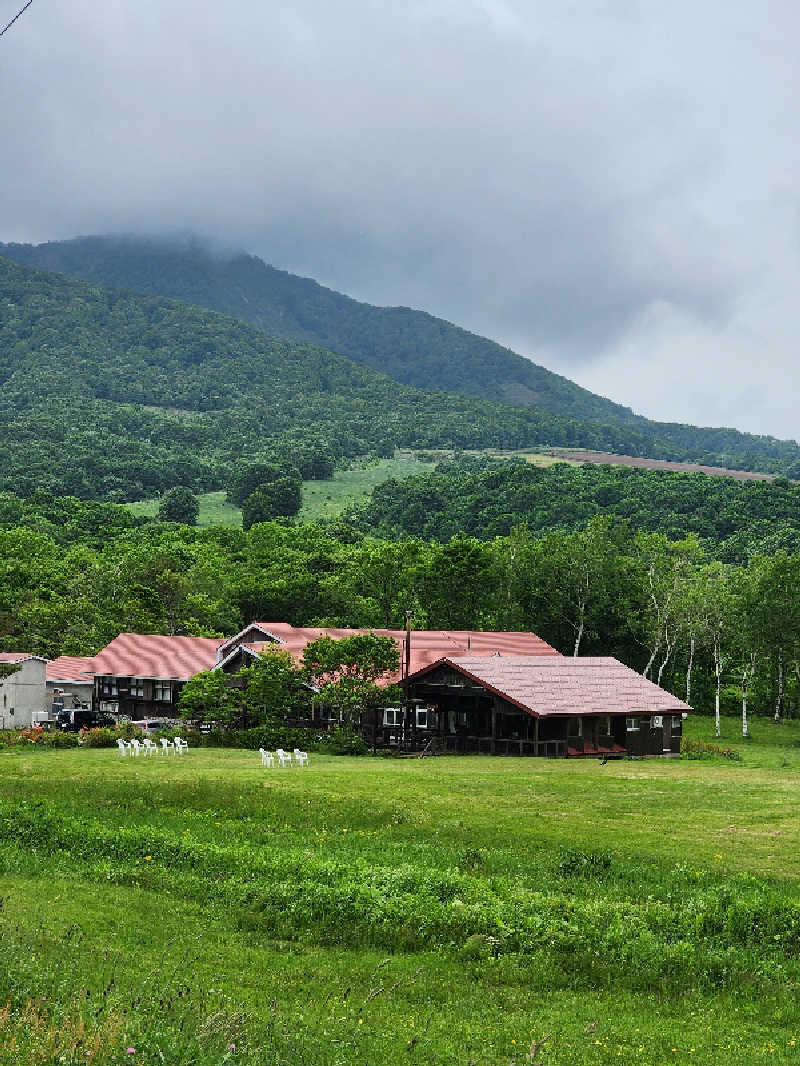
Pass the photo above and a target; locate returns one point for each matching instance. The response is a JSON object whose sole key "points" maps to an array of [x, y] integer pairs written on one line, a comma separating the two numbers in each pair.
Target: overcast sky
{"points": [[608, 186]]}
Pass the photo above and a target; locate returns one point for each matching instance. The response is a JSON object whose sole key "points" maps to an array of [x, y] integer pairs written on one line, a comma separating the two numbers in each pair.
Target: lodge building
{"points": [[465, 691]]}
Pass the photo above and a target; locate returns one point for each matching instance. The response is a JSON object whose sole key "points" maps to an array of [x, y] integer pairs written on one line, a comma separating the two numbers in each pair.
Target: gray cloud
{"points": [[609, 187]]}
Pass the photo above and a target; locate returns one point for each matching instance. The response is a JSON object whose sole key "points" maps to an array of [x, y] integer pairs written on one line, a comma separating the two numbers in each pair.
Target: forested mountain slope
{"points": [[111, 394], [411, 347], [488, 498]]}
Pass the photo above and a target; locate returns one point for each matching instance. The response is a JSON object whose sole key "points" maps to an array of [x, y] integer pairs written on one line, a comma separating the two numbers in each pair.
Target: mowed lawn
{"points": [[449, 910]]}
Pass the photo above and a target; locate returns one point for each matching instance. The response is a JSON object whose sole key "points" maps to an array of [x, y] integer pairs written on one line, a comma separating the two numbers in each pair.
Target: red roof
{"points": [[547, 686], [72, 668], [16, 656], [139, 655], [427, 646]]}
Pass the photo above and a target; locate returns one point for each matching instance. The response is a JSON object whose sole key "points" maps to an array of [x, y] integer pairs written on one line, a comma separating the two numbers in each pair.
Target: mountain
{"points": [[110, 394], [412, 347]]}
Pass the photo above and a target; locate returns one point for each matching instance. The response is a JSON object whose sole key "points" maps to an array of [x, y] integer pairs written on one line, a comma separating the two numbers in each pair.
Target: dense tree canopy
{"points": [[486, 498]]}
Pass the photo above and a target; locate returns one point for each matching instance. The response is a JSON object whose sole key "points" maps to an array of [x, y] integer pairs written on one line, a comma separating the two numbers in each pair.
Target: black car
{"points": [[73, 720]]}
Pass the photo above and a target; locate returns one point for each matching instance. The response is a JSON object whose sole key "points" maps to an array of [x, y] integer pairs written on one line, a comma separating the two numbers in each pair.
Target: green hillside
{"points": [[111, 394], [487, 498], [409, 346]]}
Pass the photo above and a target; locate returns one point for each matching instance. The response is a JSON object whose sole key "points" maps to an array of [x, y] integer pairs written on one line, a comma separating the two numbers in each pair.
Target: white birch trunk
{"points": [[744, 705], [689, 672], [747, 676], [779, 697], [578, 636], [718, 675]]}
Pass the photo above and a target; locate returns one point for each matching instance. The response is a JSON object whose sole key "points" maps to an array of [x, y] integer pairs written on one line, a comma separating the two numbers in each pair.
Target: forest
{"points": [[486, 497], [410, 347], [722, 635]]}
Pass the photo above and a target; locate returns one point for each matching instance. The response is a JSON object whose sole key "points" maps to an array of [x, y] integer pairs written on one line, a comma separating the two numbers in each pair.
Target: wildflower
{"points": [[231, 1047], [131, 1050], [148, 858]]}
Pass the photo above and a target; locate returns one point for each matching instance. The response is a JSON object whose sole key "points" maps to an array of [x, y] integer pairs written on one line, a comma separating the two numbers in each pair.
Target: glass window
{"points": [[676, 723], [162, 691], [108, 686], [632, 725], [422, 718], [392, 716], [137, 687]]}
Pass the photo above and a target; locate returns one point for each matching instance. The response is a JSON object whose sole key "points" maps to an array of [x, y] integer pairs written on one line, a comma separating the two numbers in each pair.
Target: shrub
{"points": [[38, 738], [699, 749], [343, 740], [274, 735], [101, 738]]}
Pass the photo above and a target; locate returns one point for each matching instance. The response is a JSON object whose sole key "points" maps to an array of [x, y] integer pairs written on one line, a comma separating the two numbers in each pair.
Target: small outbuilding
{"points": [[537, 705], [23, 702]]}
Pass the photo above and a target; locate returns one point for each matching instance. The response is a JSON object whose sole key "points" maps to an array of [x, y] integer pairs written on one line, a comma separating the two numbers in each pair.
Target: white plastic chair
{"points": [[134, 744], [149, 746], [123, 747], [181, 746], [301, 757], [166, 746], [267, 758], [284, 758]]}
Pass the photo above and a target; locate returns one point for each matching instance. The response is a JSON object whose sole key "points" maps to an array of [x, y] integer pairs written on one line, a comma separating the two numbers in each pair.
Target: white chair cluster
{"points": [[133, 747], [284, 757]]}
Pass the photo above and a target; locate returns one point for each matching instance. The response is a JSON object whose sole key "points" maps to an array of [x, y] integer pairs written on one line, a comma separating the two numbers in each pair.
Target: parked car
{"points": [[76, 718]]}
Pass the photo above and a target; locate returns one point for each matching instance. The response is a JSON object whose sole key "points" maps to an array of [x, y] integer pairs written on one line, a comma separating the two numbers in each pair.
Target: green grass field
{"points": [[364, 911]]}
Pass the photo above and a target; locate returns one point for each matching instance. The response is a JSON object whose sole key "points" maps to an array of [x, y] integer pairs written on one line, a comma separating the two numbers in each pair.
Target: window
{"points": [[162, 691], [392, 716], [657, 722], [422, 718], [137, 687], [676, 723], [108, 686], [632, 725]]}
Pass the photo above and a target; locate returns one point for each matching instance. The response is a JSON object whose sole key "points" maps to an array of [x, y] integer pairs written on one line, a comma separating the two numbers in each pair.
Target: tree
{"points": [[275, 499], [248, 477], [346, 671], [209, 696], [179, 505], [273, 686]]}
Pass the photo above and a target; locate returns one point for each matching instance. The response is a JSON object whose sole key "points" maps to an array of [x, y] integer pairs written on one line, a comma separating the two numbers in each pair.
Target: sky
{"points": [[610, 187]]}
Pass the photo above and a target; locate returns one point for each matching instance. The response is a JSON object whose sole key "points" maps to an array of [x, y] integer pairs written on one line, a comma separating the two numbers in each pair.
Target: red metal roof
{"points": [[140, 655], [427, 646], [547, 686], [16, 656], [74, 668]]}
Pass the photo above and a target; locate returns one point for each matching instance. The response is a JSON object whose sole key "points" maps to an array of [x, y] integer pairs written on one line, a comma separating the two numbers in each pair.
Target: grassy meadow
{"points": [[321, 499], [203, 910]]}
